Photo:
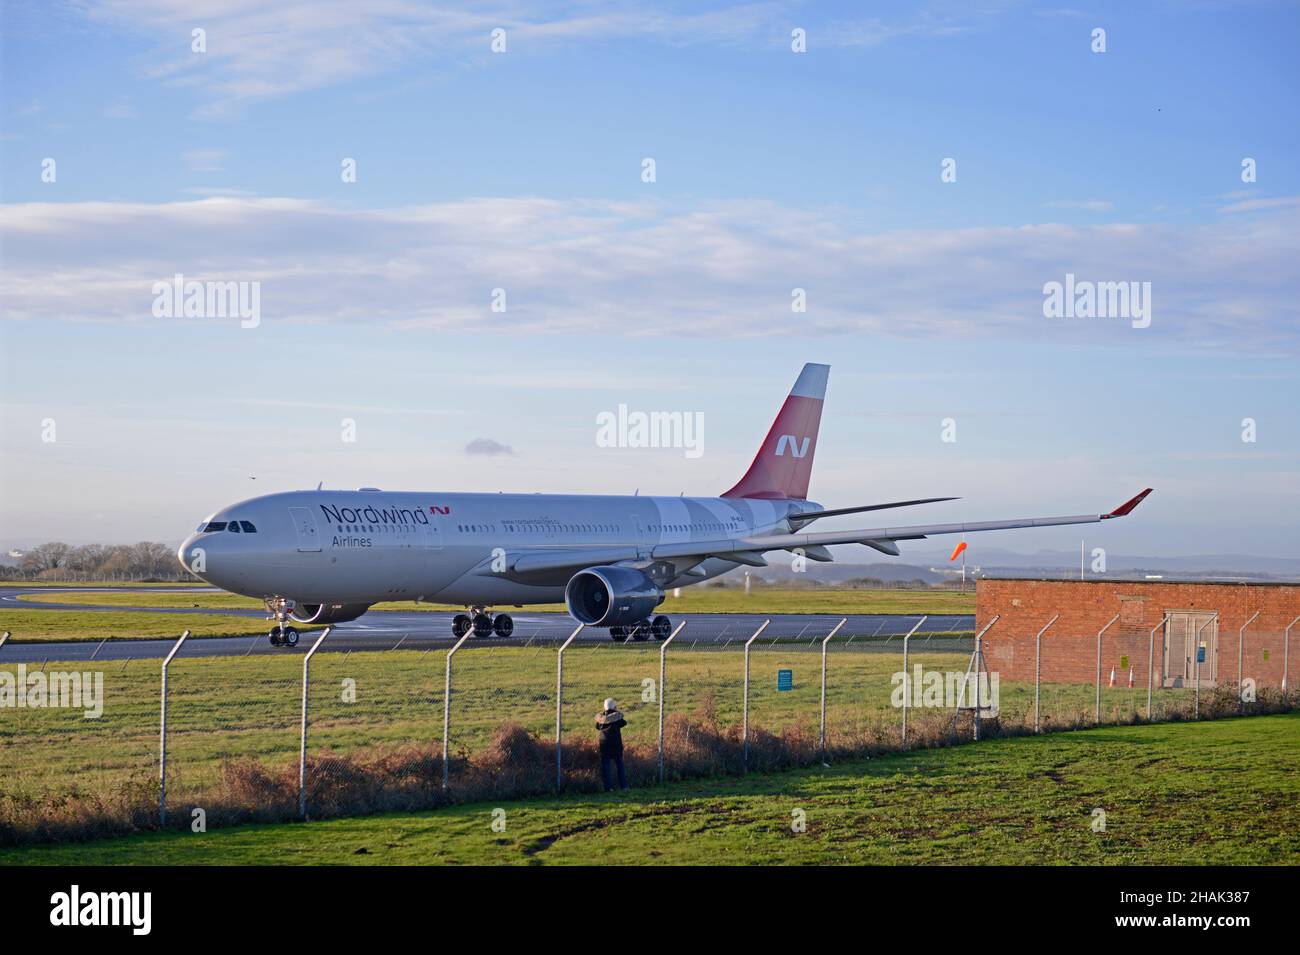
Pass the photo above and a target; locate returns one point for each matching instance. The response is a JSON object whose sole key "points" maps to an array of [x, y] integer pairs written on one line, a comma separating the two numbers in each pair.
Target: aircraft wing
{"points": [[879, 535], [573, 558], [807, 517], [749, 550]]}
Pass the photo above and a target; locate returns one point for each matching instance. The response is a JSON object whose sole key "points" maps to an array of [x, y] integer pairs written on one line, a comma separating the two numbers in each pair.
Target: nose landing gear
{"points": [[282, 634], [283, 637]]}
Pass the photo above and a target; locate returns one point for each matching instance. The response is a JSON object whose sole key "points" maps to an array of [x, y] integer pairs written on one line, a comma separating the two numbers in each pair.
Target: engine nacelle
{"points": [[327, 612], [611, 596]]}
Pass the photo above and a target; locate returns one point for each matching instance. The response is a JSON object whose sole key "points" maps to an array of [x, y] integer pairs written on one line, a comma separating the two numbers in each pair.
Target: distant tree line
{"points": [[147, 560]]}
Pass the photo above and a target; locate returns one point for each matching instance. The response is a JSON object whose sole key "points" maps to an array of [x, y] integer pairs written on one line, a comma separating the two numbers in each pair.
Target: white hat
{"points": [[611, 704]]}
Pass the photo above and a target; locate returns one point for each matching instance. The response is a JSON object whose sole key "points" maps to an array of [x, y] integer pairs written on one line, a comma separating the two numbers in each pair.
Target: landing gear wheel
{"points": [[503, 625], [618, 634], [274, 636], [661, 628], [289, 637], [460, 625], [482, 625], [640, 632]]}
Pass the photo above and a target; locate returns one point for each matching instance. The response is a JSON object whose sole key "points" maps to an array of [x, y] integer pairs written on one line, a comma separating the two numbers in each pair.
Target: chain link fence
{"points": [[241, 746]]}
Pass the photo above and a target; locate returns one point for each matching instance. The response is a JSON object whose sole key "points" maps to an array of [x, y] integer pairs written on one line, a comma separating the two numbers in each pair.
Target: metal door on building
{"points": [[1183, 646]]}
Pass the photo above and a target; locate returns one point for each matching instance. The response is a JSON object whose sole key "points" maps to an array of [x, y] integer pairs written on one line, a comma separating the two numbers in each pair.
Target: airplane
{"points": [[326, 556]]}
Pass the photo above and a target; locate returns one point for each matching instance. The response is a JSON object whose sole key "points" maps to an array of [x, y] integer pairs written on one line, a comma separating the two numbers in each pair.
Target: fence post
{"points": [[1241, 642], [907, 679], [1213, 617], [663, 651], [842, 622], [559, 703], [1286, 659], [976, 664], [1038, 671], [302, 744], [446, 707], [1096, 714], [744, 711], [1151, 660], [162, 737]]}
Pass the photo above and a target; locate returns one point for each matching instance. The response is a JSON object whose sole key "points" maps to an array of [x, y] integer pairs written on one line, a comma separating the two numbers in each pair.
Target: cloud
{"points": [[204, 160], [257, 51], [1257, 205], [1083, 205], [208, 192], [120, 108], [646, 268], [488, 447]]}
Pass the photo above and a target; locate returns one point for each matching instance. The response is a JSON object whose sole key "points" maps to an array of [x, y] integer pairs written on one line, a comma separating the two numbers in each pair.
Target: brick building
{"points": [[1085, 606]]}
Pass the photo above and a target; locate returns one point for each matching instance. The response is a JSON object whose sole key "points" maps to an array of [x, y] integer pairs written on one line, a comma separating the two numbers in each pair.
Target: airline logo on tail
{"points": [[783, 466], [787, 441]]}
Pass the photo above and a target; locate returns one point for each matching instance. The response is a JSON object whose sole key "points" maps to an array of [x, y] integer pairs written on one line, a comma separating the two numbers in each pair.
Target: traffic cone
{"points": [[1112, 676]]}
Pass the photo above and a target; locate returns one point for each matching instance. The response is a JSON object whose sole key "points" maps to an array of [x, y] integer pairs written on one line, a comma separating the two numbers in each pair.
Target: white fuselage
{"points": [[366, 546]]}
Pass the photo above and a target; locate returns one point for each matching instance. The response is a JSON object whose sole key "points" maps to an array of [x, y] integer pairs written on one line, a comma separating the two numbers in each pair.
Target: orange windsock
{"points": [[957, 551]]}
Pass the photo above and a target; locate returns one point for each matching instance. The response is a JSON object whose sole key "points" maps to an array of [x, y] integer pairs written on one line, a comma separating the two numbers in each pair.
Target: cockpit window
{"points": [[234, 527], [248, 527], [214, 526]]}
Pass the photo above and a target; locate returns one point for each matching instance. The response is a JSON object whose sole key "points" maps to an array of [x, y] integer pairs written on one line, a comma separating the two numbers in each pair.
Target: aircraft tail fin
{"points": [[783, 466]]}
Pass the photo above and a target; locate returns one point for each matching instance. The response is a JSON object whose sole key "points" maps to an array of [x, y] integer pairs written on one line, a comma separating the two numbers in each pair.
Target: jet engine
{"points": [[327, 612], [611, 596]]}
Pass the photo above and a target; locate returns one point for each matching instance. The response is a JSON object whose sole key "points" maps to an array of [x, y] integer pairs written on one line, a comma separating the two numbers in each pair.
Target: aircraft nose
{"points": [[184, 549], [200, 551]]}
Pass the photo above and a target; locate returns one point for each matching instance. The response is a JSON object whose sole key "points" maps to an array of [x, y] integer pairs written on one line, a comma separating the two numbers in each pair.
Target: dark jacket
{"points": [[611, 723]]}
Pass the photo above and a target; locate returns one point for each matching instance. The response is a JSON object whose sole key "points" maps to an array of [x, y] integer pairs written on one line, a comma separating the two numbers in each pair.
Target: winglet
{"points": [[1128, 505]]}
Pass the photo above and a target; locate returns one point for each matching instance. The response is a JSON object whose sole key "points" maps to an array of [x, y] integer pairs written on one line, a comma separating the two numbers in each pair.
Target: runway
{"points": [[382, 630]]}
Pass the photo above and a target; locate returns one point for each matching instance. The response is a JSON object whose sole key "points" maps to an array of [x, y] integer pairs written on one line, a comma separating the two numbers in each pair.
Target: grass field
{"points": [[1226, 792], [99, 583], [223, 709], [48, 626]]}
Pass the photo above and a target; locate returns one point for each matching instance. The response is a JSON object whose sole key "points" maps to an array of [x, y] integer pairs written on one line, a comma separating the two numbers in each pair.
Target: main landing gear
{"points": [[282, 634], [660, 628], [484, 623]]}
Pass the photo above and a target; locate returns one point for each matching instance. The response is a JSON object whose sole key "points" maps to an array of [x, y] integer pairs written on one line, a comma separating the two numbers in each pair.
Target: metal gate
{"points": [[1181, 646]]}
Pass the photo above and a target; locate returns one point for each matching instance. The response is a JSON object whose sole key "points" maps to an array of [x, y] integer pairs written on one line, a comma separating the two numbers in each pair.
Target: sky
{"points": [[501, 269]]}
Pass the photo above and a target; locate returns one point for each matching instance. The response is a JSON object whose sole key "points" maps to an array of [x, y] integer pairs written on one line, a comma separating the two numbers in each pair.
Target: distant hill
{"points": [[838, 573]]}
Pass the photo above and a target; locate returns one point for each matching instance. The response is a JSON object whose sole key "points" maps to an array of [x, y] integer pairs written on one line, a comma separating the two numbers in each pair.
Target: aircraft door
{"points": [[431, 533], [304, 524]]}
